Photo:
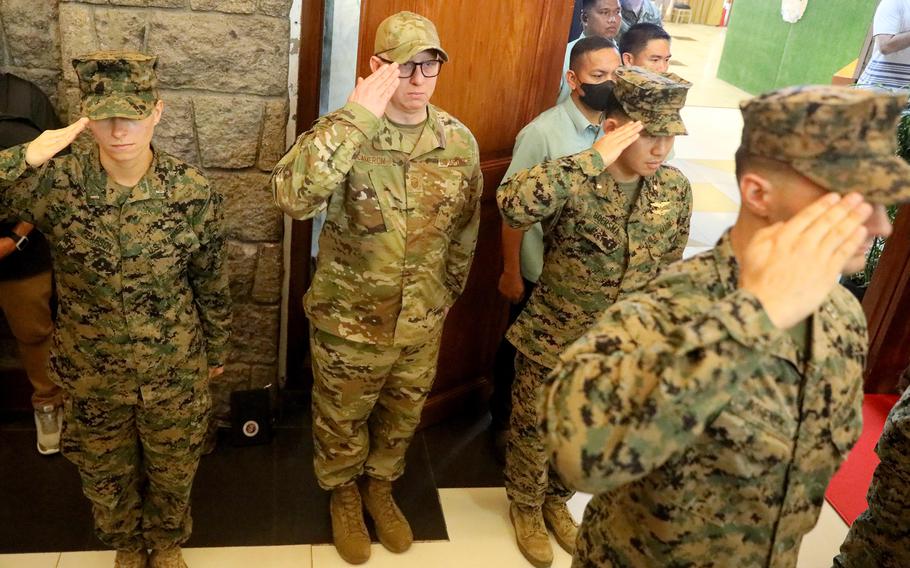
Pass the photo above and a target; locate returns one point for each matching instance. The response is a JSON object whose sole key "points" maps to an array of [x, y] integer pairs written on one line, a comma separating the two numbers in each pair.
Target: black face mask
{"points": [[597, 95]]}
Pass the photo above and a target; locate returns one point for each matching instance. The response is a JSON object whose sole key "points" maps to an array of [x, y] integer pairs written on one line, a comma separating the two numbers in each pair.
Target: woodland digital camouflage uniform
{"points": [[595, 252], [707, 434], [144, 311], [880, 536], [394, 255]]}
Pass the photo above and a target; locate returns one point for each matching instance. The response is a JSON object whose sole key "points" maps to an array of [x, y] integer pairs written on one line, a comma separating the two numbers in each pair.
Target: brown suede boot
{"points": [[531, 534], [560, 522], [348, 531], [391, 526], [130, 559], [167, 558]]}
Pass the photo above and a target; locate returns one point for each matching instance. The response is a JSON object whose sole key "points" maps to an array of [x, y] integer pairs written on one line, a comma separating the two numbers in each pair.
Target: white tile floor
{"points": [[480, 536], [477, 519]]}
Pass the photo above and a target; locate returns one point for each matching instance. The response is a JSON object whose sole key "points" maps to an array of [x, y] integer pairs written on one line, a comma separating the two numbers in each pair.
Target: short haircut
{"points": [[765, 167], [587, 45], [636, 38], [588, 4]]}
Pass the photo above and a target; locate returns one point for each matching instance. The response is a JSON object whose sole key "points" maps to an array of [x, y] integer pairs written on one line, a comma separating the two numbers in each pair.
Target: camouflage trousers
{"points": [[367, 401], [529, 478], [880, 536], [137, 464]]}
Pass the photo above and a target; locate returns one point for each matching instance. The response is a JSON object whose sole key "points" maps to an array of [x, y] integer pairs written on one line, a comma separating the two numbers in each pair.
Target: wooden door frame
{"points": [[889, 295], [312, 29]]}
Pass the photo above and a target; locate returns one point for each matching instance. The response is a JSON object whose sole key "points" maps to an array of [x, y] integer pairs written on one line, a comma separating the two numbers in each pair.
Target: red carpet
{"points": [[847, 491]]}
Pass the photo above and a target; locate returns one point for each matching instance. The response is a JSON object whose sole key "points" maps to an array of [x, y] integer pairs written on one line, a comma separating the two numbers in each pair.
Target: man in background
{"points": [[638, 12], [646, 45], [25, 265], [600, 18]]}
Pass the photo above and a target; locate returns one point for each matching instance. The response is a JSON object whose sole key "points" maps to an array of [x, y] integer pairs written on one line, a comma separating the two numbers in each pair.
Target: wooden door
{"points": [[887, 307], [504, 67]]}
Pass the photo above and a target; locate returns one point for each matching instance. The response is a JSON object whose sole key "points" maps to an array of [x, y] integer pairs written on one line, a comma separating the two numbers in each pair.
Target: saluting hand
{"points": [[791, 267], [613, 143], [50, 142], [376, 91]]}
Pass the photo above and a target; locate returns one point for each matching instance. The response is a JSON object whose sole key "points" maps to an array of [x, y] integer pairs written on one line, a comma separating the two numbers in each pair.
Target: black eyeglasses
{"points": [[429, 68]]}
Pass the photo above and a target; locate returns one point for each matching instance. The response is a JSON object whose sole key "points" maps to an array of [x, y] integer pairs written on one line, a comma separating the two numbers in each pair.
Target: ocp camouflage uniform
{"points": [[394, 255], [880, 536], [598, 248], [144, 310], [707, 434]]}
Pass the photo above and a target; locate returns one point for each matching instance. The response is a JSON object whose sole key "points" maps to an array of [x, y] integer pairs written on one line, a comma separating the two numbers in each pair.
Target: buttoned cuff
{"points": [[364, 120], [13, 164], [215, 355]]}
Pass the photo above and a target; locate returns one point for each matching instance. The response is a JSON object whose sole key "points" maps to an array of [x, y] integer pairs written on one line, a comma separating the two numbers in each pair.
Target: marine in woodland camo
{"points": [[708, 435], [144, 311], [595, 250], [599, 246], [880, 536]]}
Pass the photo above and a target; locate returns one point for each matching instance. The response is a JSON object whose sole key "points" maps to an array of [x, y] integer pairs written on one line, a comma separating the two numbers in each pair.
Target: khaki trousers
{"points": [[26, 305]]}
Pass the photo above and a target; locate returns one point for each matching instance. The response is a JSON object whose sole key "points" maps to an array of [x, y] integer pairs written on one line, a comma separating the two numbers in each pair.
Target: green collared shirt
{"points": [[557, 132], [140, 272]]}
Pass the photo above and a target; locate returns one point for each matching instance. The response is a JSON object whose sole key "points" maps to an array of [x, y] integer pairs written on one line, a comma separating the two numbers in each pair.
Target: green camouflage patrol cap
{"points": [[403, 35], [653, 98], [841, 138], [117, 84]]}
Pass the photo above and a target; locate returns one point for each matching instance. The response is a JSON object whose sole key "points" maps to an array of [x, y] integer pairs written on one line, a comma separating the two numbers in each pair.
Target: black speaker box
{"points": [[251, 417]]}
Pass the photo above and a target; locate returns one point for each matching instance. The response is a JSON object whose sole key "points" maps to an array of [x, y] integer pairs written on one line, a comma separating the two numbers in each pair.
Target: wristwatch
{"points": [[20, 241]]}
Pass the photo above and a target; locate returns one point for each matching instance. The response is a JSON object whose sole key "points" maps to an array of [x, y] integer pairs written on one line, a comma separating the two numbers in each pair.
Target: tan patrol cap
{"points": [[403, 35]]}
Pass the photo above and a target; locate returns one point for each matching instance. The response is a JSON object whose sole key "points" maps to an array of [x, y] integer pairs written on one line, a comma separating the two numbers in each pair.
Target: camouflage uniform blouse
{"points": [[593, 252], [400, 230], [140, 276], [707, 440]]}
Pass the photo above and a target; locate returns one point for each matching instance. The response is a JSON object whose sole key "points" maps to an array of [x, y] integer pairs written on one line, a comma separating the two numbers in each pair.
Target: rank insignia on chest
{"points": [[660, 207]]}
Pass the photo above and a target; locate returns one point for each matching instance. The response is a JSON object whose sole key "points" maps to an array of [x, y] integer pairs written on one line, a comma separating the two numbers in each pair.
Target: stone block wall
{"points": [[223, 76]]}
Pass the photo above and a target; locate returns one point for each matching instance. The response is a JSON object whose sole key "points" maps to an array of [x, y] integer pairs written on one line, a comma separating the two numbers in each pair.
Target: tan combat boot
{"points": [[167, 558], [348, 531], [558, 519], [531, 534], [130, 559], [391, 526]]}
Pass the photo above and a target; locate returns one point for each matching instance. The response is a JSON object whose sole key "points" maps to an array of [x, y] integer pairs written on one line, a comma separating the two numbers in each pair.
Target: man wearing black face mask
{"points": [[568, 128], [613, 216]]}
